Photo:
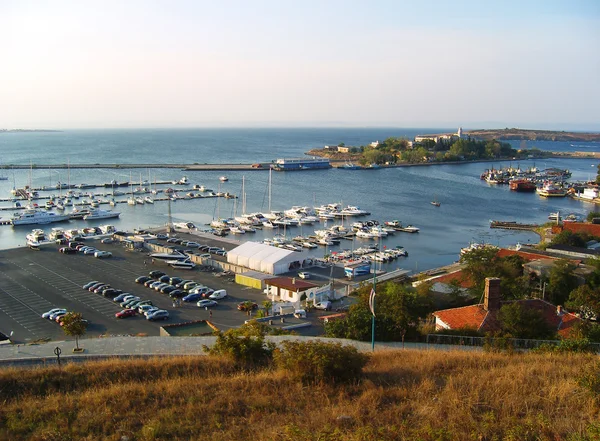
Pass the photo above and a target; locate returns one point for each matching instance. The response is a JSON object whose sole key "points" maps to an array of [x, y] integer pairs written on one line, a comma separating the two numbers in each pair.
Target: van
{"points": [[218, 294]]}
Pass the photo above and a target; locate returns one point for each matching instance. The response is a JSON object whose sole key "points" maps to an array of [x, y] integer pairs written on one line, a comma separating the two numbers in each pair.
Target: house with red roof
{"points": [[483, 317]]}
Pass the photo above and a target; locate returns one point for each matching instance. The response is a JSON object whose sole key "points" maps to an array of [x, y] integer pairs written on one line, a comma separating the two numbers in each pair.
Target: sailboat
{"points": [[131, 200], [435, 202]]}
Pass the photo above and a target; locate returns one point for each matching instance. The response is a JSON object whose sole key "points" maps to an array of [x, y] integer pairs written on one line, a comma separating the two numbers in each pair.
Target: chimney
{"points": [[559, 310], [293, 280], [492, 297]]}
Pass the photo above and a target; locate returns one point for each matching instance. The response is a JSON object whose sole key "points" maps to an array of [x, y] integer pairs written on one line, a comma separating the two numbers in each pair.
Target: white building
{"points": [[266, 258]]}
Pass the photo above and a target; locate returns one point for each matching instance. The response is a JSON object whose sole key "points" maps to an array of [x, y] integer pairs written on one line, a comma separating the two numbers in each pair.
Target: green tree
{"points": [[561, 281], [73, 325], [267, 304], [585, 300], [519, 321], [398, 311]]}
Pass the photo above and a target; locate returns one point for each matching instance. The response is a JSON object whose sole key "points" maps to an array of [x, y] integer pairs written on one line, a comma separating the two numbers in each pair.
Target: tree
{"points": [[561, 281], [585, 300], [518, 321], [398, 311], [74, 325], [267, 304]]}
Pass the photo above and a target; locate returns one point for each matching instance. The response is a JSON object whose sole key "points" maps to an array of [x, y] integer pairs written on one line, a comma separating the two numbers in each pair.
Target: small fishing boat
{"points": [[435, 203]]}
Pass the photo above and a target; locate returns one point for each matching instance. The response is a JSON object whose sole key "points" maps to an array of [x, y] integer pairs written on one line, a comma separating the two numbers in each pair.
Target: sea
{"points": [[467, 204]]}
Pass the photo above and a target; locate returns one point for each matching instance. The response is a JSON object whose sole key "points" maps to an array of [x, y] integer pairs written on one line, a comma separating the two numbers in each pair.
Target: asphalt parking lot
{"points": [[33, 282]]}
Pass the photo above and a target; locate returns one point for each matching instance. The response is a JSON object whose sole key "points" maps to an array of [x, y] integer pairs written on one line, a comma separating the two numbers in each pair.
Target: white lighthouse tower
{"points": [[459, 133]]}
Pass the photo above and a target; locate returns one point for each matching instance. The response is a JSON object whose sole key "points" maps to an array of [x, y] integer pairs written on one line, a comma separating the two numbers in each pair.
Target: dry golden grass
{"points": [[404, 395]]}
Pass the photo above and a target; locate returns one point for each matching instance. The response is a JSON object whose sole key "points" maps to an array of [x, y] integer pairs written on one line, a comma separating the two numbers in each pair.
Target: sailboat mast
{"points": [[270, 173], [243, 194]]}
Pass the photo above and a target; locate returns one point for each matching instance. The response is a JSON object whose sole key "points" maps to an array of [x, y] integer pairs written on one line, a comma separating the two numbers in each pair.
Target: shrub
{"points": [[581, 345], [245, 346], [316, 362], [590, 379]]}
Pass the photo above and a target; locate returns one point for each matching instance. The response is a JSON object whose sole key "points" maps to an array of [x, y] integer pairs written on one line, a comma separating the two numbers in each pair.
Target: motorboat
{"points": [[236, 230], [101, 214], [131, 201], [175, 255], [56, 234], [182, 264], [409, 229], [223, 179], [435, 203], [247, 228], [139, 201], [76, 213], [36, 236], [183, 181], [33, 217], [554, 216], [107, 229], [307, 244], [148, 200]]}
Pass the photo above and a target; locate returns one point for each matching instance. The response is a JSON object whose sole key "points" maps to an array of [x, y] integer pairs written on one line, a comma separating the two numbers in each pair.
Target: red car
{"points": [[125, 313], [247, 306]]}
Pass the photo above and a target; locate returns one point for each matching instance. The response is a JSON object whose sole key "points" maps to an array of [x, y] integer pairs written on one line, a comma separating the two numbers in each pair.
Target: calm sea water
{"points": [[467, 203]]}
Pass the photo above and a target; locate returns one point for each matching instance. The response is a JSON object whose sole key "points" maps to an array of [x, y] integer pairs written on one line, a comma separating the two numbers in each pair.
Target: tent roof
{"points": [[266, 253]]}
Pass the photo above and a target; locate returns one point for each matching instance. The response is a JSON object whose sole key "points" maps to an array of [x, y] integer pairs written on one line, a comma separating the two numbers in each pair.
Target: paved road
{"points": [[163, 346]]}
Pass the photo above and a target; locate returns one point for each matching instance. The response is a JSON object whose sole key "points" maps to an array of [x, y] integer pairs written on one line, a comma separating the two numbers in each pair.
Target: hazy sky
{"points": [[70, 64]]}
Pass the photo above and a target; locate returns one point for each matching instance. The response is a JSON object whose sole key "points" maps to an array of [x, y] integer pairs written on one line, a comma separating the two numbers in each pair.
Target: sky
{"points": [[284, 63]]}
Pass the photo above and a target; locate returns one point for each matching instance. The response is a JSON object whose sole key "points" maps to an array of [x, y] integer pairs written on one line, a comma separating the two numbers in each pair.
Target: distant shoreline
{"points": [[27, 130], [533, 135]]}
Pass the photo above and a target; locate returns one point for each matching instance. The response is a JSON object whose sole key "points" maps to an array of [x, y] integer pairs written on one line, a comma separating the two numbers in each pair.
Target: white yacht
{"points": [[37, 217], [107, 229], [101, 214], [307, 244], [223, 179], [148, 200], [56, 234], [236, 230], [36, 236]]}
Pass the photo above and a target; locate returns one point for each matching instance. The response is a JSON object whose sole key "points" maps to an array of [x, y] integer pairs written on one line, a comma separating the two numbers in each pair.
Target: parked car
{"points": [[206, 303], [89, 284], [221, 253], [125, 313], [90, 251], [198, 289], [120, 297], [107, 240], [128, 297], [164, 279], [177, 294], [150, 311], [101, 254], [175, 280], [48, 314], [161, 286], [192, 297], [182, 283], [67, 250], [111, 292], [191, 285], [218, 295], [95, 285], [173, 240], [154, 284], [161, 236], [156, 274], [304, 275], [161, 314], [325, 305], [143, 308], [167, 289], [247, 306], [102, 288], [142, 279], [58, 316], [193, 245], [149, 283]]}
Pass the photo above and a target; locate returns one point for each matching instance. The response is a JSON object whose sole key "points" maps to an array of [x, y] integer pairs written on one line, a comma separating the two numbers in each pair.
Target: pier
{"points": [[509, 225]]}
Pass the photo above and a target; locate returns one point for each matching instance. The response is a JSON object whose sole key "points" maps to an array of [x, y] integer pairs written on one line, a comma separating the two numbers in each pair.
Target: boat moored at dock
{"points": [[295, 164]]}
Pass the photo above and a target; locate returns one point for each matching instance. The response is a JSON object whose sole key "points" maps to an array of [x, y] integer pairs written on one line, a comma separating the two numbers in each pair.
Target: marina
{"points": [[388, 193]]}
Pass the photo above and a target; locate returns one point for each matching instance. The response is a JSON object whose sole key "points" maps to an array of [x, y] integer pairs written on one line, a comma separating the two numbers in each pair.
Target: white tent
{"points": [[265, 258]]}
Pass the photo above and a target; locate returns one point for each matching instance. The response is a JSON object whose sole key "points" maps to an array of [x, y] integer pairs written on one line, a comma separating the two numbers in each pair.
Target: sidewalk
{"points": [[99, 348]]}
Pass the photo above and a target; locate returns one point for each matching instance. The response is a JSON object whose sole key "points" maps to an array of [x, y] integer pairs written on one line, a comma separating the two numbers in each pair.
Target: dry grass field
{"points": [[403, 395]]}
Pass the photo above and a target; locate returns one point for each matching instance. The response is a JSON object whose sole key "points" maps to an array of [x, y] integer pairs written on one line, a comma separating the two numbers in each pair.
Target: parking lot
{"points": [[33, 282]]}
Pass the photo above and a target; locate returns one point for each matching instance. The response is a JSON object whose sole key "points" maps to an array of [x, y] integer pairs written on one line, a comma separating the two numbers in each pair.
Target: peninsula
{"points": [[533, 135]]}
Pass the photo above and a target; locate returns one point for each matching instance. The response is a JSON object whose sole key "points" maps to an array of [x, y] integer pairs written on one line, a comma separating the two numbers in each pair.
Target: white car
{"points": [[107, 240], [304, 275], [47, 315], [206, 303], [57, 314], [325, 305], [102, 254], [218, 295], [192, 245], [161, 314]]}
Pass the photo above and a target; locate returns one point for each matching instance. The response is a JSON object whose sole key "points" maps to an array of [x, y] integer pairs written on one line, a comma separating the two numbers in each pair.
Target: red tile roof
{"points": [[475, 317], [458, 276], [579, 227], [503, 252]]}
